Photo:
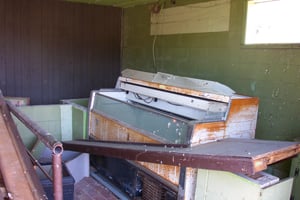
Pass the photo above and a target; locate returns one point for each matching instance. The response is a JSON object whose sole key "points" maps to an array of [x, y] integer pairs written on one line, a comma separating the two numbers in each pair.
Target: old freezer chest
{"points": [[195, 117]]}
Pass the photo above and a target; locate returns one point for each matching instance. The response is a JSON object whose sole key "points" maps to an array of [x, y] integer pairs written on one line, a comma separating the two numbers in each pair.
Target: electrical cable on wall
{"points": [[153, 53], [156, 8]]}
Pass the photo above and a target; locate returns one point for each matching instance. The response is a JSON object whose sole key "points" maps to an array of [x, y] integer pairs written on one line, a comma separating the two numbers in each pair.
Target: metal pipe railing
{"points": [[20, 179], [36, 163], [49, 141], [45, 137]]}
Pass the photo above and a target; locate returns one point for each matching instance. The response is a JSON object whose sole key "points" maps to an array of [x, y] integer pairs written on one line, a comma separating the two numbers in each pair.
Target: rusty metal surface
{"points": [[51, 142], [57, 176], [246, 156], [19, 177], [37, 164], [54, 145], [3, 192]]}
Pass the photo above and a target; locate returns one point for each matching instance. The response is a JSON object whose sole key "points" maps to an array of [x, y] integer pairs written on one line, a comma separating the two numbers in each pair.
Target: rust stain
{"points": [[243, 109], [206, 132], [210, 127], [243, 112], [275, 156]]}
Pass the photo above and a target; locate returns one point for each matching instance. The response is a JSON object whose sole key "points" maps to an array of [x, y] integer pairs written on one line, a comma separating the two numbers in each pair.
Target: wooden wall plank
{"points": [[9, 51], [52, 50], [212, 16], [23, 44], [78, 50], [46, 51], [15, 47], [35, 51], [2, 49]]}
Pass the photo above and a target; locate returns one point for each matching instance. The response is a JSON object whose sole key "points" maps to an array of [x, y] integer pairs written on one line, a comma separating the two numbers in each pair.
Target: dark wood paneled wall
{"points": [[52, 50]]}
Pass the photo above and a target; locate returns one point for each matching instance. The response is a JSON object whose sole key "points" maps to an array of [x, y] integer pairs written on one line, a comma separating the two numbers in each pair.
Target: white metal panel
{"points": [[205, 86], [219, 185], [192, 102]]}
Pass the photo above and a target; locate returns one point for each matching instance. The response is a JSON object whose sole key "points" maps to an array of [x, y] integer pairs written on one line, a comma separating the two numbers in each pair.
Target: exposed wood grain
{"points": [[167, 172], [240, 123], [2, 47], [212, 16], [106, 129]]}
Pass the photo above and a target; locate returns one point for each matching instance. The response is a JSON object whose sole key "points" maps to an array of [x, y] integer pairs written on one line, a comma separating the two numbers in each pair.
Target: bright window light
{"points": [[273, 22]]}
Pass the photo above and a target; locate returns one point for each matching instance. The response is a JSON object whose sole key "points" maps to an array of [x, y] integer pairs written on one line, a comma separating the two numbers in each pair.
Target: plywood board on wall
{"points": [[212, 16]]}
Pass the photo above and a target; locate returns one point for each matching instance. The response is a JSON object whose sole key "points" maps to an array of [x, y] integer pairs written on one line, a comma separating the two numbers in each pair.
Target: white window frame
{"points": [[272, 22]]}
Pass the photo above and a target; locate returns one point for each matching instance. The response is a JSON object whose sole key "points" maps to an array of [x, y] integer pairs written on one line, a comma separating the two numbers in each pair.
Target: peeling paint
{"points": [[267, 71], [275, 92], [253, 86]]}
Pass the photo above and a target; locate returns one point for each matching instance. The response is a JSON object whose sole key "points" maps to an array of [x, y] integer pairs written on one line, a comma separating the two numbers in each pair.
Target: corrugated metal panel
{"points": [[52, 50]]}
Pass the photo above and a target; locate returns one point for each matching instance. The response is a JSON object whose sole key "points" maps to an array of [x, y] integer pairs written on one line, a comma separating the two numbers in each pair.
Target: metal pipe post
{"points": [[57, 173]]}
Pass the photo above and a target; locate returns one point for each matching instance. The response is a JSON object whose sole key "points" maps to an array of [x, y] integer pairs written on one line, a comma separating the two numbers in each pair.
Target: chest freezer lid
{"points": [[183, 85]]}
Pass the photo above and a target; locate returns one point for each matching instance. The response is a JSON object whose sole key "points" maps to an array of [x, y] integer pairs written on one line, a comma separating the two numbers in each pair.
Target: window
{"points": [[273, 22]]}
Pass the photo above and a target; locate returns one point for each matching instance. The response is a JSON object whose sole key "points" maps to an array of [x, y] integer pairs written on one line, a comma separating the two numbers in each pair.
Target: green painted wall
{"points": [[272, 74]]}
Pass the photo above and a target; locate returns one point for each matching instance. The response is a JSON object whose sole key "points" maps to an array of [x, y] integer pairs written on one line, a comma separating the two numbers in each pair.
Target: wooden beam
{"points": [[246, 156]]}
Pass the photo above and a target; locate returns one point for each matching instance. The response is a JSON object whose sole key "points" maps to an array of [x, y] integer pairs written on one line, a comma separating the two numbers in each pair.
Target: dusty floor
{"points": [[89, 189]]}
